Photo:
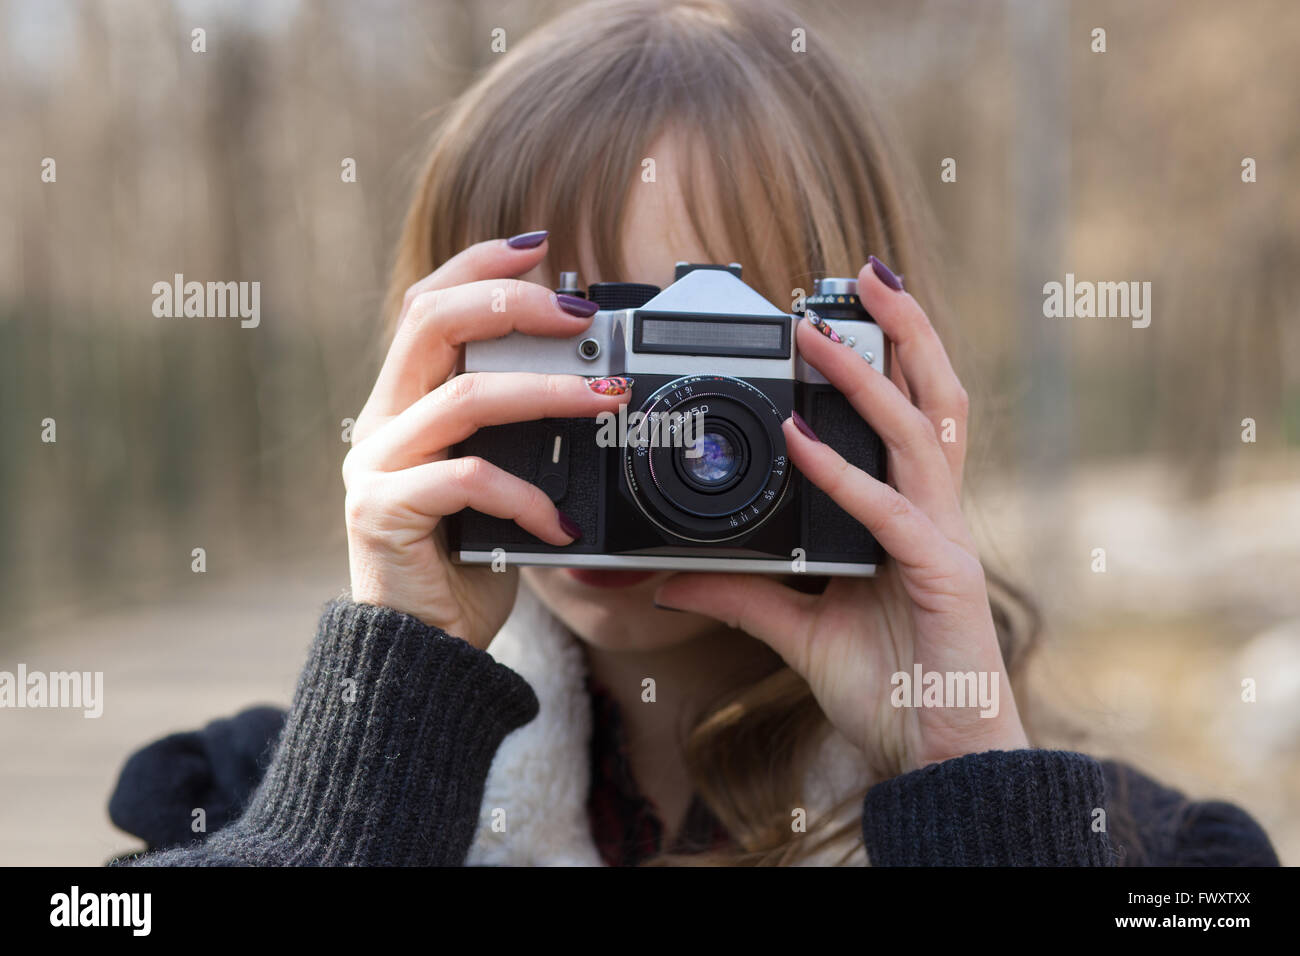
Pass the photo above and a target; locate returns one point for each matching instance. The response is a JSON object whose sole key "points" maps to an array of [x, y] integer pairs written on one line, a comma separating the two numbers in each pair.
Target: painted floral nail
{"points": [[617, 385], [821, 325]]}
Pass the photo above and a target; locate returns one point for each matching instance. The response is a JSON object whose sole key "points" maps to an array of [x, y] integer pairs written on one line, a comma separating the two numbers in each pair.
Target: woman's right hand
{"points": [[400, 477]]}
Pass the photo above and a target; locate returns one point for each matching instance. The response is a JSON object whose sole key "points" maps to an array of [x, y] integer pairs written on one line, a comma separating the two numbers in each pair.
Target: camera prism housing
{"points": [[694, 474]]}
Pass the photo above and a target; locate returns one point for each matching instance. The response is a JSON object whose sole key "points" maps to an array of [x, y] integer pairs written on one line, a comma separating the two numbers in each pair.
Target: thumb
{"points": [[762, 607]]}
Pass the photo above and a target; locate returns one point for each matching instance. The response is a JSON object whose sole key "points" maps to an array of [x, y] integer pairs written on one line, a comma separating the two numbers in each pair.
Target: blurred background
{"points": [[1087, 433]]}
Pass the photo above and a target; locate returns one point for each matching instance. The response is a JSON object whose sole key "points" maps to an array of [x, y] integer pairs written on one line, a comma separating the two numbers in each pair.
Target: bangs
{"points": [[560, 132]]}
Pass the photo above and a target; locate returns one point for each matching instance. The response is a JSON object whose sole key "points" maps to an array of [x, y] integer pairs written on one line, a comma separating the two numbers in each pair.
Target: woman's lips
{"points": [[608, 579]]}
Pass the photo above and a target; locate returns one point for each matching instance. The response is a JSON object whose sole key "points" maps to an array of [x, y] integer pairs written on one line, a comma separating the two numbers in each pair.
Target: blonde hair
{"points": [[783, 151]]}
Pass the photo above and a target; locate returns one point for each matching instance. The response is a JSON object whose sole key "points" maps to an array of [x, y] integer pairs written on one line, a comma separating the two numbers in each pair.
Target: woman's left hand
{"points": [[929, 605]]}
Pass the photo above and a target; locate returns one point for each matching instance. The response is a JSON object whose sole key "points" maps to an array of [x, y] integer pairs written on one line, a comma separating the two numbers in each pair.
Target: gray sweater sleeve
{"points": [[997, 808], [385, 752], [1050, 808], [383, 757]]}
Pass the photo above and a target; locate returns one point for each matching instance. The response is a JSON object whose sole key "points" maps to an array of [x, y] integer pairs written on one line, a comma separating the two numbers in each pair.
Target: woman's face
{"points": [[613, 609]]}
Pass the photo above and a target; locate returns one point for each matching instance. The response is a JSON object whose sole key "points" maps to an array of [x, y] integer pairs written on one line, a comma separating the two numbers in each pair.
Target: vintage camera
{"points": [[700, 479]]}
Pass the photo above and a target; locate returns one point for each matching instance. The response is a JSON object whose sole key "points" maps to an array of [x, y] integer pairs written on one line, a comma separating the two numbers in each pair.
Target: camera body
{"points": [[694, 473]]}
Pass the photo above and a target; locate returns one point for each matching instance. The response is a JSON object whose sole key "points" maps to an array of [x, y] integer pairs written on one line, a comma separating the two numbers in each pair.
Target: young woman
{"points": [[452, 714]]}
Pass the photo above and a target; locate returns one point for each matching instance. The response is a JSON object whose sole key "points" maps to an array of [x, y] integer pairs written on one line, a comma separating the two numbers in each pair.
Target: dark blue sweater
{"points": [[417, 738]]}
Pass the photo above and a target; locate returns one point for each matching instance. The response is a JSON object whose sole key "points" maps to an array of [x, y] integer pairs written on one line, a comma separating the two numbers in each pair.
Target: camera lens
{"points": [[716, 462], [708, 459], [716, 459], [589, 348]]}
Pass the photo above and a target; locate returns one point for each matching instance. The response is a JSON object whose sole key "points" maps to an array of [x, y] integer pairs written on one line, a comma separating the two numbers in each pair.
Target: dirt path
{"points": [[166, 667]]}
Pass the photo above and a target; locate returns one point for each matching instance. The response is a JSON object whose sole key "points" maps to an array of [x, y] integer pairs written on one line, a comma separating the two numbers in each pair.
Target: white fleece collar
{"points": [[538, 783]]}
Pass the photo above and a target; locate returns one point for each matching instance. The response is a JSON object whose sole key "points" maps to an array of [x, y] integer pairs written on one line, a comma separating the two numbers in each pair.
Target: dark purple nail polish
{"points": [[884, 275], [569, 526], [802, 425], [528, 240], [664, 608], [582, 308]]}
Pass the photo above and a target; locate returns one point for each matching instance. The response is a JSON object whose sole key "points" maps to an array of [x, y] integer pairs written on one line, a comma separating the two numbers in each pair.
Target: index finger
{"points": [[931, 382], [491, 259], [418, 360]]}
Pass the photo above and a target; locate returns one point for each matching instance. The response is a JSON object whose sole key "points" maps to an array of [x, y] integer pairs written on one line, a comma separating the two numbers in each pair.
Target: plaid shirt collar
{"points": [[624, 822]]}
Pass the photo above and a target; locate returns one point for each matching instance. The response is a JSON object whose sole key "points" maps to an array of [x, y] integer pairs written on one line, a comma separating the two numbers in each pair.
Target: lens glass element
{"points": [[717, 460]]}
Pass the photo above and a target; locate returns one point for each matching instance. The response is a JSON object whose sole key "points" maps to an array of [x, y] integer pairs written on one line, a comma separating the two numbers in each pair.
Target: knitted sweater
{"points": [[385, 758]]}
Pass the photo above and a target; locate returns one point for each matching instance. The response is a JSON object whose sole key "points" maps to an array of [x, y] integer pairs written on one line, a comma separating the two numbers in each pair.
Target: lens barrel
{"points": [[731, 474]]}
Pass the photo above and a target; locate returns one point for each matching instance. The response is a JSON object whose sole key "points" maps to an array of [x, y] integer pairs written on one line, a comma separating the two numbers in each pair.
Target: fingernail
{"points": [[820, 324], [802, 425], [582, 308], [569, 526], [528, 240], [618, 385], [884, 275], [664, 608]]}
